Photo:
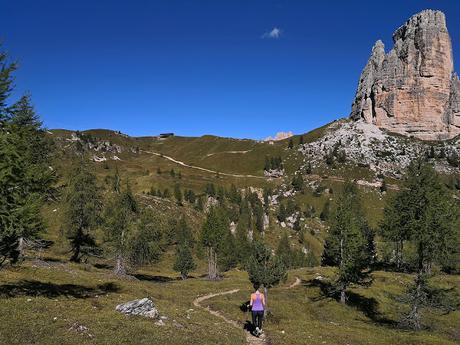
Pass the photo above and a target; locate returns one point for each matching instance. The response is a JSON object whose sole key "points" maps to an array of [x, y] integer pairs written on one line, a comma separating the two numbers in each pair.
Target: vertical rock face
{"points": [[412, 89]]}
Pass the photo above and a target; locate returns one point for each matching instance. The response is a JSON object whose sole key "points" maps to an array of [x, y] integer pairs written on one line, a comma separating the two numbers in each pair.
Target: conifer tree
{"points": [[178, 194], [297, 182], [119, 221], [265, 269], [200, 203], [25, 177], [284, 252], [82, 213], [241, 237], [282, 214], [423, 213], [6, 83], [213, 232], [324, 215], [228, 256], [347, 243], [147, 241], [290, 144], [184, 260]]}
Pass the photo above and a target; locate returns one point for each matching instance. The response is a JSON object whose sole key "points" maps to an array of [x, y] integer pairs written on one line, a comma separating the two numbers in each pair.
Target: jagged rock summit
{"points": [[412, 89]]}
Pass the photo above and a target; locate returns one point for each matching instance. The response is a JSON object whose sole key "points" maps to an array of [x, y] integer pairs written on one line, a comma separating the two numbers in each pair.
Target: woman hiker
{"points": [[257, 305]]}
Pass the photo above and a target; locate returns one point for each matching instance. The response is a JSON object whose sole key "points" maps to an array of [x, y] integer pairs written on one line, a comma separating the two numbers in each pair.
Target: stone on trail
{"points": [[141, 307]]}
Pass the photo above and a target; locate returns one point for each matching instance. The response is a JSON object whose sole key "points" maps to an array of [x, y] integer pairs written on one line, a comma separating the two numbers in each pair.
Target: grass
{"points": [[41, 300]]}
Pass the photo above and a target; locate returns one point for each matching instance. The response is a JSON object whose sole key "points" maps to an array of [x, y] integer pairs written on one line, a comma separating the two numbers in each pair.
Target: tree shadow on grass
{"points": [[36, 288], [154, 279], [367, 305]]}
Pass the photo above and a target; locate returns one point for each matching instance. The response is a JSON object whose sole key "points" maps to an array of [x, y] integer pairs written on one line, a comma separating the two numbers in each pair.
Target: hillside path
{"points": [[250, 339], [200, 168], [297, 282]]}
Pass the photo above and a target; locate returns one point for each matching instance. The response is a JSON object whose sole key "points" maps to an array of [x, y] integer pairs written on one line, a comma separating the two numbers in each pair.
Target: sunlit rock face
{"points": [[412, 89]]}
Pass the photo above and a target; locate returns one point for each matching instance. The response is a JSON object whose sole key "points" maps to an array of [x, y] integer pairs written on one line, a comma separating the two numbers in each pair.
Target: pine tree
{"points": [[290, 144], [265, 269], [148, 239], [282, 214], [213, 232], [116, 186], [243, 245], [347, 243], [423, 213], [178, 194], [25, 177], [119, 221], [284, 252], [228, 256], [324, 215], [184, 260], [200, 203], [82, 213], [267, 165], [6, 83], [297, 183]]}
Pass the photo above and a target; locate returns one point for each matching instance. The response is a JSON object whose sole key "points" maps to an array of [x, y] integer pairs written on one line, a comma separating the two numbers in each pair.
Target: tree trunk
{"points": [[343, 295], [216, 270], [120, 269], [212, 264], [20, 248], [266, 303], [399, 254], [413, 319], [76, 254], [343, 287]]}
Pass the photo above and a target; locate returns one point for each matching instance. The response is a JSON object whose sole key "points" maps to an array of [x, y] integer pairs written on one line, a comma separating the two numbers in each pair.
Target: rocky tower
{"points": [[412, 90]]}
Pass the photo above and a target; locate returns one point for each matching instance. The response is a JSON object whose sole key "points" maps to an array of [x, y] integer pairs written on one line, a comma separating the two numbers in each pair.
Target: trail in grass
{"points": [[250, 339], [200, 168], [217, 153], [311, 176], [297, 282]]}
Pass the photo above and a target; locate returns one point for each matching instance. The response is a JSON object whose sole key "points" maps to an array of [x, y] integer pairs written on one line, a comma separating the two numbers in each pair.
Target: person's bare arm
{"points": [[250, 302]]}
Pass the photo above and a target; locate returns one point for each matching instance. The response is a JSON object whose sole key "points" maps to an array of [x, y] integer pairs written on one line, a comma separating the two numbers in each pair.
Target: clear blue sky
{"points": [[199, 67]]}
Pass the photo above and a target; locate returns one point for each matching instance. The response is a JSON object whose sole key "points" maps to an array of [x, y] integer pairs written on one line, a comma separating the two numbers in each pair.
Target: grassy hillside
{"points": [[44, 302]]}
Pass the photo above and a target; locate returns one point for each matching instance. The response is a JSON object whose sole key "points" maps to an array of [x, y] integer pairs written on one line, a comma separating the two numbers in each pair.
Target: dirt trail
{"points": [[297, 282], [200, 168], [311, 176], [250, 339], [217, 153]]}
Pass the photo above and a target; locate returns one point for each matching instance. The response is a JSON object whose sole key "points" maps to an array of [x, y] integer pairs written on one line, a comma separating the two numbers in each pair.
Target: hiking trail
{"points": [[297, 282], [200, 168], [250, 339]]}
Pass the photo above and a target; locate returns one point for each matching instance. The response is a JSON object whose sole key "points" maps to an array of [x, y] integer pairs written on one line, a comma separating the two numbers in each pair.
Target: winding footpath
{"points": [[250, 339]]}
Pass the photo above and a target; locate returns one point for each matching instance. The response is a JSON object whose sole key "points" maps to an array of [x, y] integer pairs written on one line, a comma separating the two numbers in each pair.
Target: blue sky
{"points": [[233, 68]]}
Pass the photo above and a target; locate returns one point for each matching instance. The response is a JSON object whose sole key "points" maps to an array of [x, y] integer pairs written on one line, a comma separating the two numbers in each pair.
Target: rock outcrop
{"points": [[412, 89], [140, 307]]}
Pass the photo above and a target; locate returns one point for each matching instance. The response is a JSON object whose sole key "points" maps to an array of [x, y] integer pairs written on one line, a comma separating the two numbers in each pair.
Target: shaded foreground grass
{"points": [[40, 305]]}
